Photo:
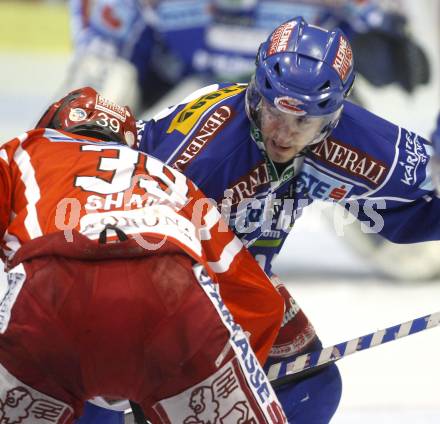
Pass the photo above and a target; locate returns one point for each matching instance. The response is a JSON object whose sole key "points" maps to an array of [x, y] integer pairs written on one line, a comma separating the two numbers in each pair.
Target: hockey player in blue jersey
{"points": [[135, 51], [266, 150]]}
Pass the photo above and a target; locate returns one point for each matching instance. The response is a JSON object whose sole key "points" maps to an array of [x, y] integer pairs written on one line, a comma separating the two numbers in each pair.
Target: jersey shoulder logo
{"points": [[185, 120], [215, 122], [351, 160]]}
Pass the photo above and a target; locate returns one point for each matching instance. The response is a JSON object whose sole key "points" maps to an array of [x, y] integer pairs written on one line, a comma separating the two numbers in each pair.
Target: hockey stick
{"points": [[138, 413], [309, 363]]}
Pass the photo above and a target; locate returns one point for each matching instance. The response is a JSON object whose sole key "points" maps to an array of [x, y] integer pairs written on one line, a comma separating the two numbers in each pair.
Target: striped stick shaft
{"points": [[283, 372]]}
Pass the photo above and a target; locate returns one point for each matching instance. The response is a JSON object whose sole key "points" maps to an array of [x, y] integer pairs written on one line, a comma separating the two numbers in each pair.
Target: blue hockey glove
{"points": [[312, 399]]}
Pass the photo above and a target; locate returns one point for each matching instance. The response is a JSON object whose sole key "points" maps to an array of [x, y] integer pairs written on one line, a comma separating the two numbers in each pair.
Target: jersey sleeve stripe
{"points": [[227, 256], [11, 245], [155, 168], [32, 192], [210, 219], [4, 156]]}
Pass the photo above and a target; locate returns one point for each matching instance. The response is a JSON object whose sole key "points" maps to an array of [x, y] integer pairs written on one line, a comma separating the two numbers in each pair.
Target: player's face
{"points": [[285, 135]]}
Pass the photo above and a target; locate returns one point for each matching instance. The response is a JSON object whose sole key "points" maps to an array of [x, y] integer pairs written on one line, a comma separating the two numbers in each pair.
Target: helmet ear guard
{"points": [[350, 88], [86, 112]]}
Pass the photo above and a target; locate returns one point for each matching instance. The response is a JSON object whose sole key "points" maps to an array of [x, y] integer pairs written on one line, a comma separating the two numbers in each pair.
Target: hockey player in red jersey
{"points": [[101, 241]]}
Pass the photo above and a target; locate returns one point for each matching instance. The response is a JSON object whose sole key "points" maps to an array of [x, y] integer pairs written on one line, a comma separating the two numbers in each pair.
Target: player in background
{"points": [[136, 51], [122, 281], [266, 150], [435, 160]]}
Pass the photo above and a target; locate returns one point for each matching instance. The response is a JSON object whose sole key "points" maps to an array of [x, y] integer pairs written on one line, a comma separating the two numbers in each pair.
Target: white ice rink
{"points": [[395, 383]]}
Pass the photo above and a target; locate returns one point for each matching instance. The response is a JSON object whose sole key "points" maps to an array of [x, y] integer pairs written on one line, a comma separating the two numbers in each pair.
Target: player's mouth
{"points": [[278, 146]]}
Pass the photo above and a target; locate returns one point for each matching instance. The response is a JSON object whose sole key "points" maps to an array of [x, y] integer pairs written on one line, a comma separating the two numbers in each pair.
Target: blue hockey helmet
{"points": [[302, 70]]}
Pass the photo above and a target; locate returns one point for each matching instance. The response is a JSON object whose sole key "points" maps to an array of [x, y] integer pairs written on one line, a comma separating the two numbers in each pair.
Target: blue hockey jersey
{"points": [[376, 170]]}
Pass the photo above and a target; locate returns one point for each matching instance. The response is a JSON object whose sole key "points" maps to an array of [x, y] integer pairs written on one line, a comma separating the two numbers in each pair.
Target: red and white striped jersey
{"points": [[52, 181]]}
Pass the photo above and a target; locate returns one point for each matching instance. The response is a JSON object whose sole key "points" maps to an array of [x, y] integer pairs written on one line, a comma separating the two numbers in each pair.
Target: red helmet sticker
{"points": [[77, 114], [289, 105], [106, 105], [280, 38], [343, 60]]}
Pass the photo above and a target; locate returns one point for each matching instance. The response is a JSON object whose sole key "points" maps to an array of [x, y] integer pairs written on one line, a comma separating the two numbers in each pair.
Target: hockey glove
{"points": [[313, 399], [385, 56]]}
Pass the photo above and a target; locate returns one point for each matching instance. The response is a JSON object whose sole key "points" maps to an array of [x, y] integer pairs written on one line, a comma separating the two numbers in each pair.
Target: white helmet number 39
{"points": [[106, 121]]}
